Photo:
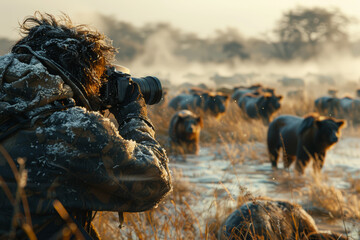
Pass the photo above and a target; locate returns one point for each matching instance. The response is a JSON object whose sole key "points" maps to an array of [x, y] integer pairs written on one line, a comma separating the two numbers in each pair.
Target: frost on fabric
{"points": [[4, 61], [73, 118], [145, 151], [144, 156], [37, 111], [138, 124], [107, 124], [59, 148], [130, 147], [76, 119], [19, 69], [28, 86]]}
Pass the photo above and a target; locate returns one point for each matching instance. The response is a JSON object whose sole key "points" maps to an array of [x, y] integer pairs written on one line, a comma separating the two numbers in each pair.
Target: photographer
{"points": [[57, 149]]}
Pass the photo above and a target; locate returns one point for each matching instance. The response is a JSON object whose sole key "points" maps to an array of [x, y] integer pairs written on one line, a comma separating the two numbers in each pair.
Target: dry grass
{"points": [[19, 219], [231, 126], [232, 129], [355, 184], [160, 117], [224, 206], [298, 107], [173, 219], [235, 139], [337, 203], [351, 131]]}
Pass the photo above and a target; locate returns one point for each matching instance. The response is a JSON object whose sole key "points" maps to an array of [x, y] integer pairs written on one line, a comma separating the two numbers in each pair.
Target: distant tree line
{"points": [[301, 33], [305, 32]]}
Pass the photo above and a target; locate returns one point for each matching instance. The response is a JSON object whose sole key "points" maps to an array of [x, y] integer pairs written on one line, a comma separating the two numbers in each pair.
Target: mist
{"points": [[177, 57], [158, 58]]}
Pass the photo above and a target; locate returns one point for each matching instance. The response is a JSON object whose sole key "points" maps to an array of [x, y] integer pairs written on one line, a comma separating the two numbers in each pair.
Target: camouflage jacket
{"points": [[72, 155]]}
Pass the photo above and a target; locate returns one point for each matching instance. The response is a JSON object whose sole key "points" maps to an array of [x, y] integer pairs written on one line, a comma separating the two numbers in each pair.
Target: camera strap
{"points": [[75, 84]]}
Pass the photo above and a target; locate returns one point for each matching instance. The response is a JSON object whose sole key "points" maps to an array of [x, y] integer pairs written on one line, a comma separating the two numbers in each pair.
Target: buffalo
{"points": [[302, 139], [184, 132], [201, 101], [261, 106]]}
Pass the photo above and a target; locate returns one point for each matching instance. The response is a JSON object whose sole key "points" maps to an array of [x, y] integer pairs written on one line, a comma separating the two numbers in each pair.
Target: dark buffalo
{"points": [[260, 106], [333, 92], [303, 139], [201, 101], [256, 89], [328, 106], [184, 132], [346, 107]]}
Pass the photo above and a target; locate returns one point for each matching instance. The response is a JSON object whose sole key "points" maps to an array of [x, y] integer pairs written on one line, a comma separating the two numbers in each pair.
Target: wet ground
{"points": [[219, 170]]}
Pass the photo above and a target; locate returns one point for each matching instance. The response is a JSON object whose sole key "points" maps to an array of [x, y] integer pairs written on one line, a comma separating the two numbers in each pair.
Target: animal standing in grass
{"points": [[345, 107], [272, 220], [201, 101], [302, 139], [184, 132], [256, 89], [261, 106]]}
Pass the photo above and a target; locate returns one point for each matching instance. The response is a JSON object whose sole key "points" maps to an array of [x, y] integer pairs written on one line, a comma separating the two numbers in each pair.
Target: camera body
{"points": [[113, 92]]}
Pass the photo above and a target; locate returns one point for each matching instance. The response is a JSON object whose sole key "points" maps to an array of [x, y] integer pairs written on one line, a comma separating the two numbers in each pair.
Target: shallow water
{"points": [[212, 172]]}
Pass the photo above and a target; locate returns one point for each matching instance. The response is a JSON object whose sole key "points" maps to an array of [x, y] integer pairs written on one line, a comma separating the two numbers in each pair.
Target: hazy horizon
{"points": [[250, 19], [203, 17]]}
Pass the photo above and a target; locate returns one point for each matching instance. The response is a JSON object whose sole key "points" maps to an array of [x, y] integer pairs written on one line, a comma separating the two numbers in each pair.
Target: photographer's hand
{"points": [[133, 106]]}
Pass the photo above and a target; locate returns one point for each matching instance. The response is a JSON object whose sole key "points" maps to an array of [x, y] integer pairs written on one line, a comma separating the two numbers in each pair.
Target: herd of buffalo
{"points": [[301, 140]]}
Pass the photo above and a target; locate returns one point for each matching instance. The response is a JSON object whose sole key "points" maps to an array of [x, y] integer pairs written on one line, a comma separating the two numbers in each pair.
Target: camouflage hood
{"points": [[72, 155], [21, 92]]}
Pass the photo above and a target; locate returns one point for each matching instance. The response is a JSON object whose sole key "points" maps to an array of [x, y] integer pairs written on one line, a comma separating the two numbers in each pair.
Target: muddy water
{"points": [[214, 171]]}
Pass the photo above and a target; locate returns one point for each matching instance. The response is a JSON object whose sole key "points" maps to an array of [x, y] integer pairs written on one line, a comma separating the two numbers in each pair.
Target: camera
{"points": [[114, 90]]}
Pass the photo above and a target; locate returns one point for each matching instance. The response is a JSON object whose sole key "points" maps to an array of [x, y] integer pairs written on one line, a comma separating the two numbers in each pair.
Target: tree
{"points": [[128, 39], [306, 29], [235, 49]]}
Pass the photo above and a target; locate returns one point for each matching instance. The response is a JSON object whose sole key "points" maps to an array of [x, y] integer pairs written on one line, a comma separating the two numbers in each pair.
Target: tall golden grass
{"points": [[234, 138]]}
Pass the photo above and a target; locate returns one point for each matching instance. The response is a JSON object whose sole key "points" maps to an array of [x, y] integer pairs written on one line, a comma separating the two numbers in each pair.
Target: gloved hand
{"points": [[133, 106]]}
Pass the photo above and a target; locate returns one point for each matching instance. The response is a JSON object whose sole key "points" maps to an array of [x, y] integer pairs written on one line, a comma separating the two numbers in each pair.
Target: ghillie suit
{"points": [[54, 152], [272, 220]]}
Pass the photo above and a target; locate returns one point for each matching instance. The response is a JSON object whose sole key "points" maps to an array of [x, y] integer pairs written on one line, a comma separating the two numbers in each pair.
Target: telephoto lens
{"points": [[151, 89]]}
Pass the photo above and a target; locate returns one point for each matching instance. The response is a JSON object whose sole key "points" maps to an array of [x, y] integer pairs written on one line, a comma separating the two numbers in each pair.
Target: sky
{"points": [[252, 18]]}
